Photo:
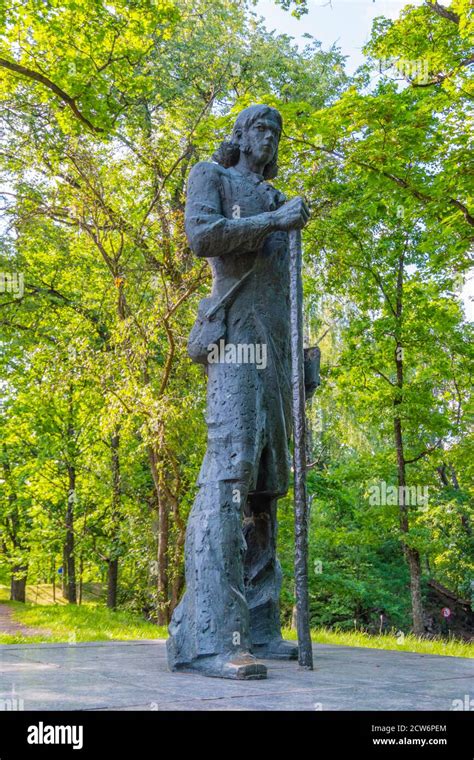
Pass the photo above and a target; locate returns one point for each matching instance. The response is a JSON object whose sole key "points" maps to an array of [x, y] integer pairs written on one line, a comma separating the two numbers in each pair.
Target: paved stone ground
{"points": [[134, 676]]}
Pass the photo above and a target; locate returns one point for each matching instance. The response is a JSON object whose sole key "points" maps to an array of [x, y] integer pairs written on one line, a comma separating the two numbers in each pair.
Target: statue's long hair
{"points": [[228, 152]]}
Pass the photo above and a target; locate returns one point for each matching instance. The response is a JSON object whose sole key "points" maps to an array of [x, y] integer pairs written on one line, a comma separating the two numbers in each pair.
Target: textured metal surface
{"points": [[305, 658], [233, 577]]}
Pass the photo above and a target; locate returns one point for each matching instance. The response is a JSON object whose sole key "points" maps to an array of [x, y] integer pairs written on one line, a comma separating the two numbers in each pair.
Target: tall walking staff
{"points": [[305, 657]]}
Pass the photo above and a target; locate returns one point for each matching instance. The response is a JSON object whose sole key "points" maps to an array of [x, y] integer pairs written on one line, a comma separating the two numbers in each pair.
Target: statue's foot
{"points": [[242, 666], [277, 649]]}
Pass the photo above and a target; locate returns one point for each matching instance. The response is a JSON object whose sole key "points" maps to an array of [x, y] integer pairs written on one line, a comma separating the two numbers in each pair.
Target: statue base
{"points": [[279, 649], [242, 667]]}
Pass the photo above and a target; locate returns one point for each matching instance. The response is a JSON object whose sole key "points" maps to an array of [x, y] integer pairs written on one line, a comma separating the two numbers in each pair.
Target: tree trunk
{"points": [[112, 582], [162, 604], [414, 564], [53, 579], [64, 573], [177, 583], [18, 584], [69, 543], [19, 570], [177, 587], [113, 562], [162, 557], [81, 569], [177, 579], [411, 555]]}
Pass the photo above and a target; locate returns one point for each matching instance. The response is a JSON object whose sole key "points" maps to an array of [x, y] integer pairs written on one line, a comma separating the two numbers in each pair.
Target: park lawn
{"points": [[93, 622], [76, 623], [409, 643]]}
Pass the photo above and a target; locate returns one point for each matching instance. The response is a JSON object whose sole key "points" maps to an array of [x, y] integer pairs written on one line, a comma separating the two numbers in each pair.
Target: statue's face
{"points": [[261, 140]]}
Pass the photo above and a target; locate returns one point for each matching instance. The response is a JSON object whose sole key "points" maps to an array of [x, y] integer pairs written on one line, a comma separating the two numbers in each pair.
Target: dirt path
{"points": [[10, 626]]}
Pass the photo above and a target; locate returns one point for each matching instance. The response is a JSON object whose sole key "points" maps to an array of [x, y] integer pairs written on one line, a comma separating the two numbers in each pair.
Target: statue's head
{"points": [[257, 130]]}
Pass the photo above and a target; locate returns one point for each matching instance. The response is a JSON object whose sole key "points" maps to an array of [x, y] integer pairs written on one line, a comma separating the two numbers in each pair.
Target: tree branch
{"points": [[440, 10], [398, 180], [17, 68], [378, 372], [428, 450]]}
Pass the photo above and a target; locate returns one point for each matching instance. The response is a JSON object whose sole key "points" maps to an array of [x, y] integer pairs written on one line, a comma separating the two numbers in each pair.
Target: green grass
{"points": [[75, 623], [409, 642], [91, 621]]}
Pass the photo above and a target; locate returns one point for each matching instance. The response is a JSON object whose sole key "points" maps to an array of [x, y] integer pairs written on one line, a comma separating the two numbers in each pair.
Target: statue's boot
{"points": [[277, 649], [210, 627], [242, 666], [263, 580]]}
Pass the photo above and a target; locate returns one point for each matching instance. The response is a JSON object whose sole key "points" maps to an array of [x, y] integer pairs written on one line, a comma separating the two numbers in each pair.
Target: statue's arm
{"points": [[209, 232]]}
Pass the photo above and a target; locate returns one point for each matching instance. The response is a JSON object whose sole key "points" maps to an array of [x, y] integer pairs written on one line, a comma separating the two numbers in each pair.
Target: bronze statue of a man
{"points": [[228, 619]]}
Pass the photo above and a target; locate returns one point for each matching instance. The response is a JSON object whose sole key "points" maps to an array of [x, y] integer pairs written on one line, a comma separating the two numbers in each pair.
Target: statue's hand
{"points": [[293, 215]]}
